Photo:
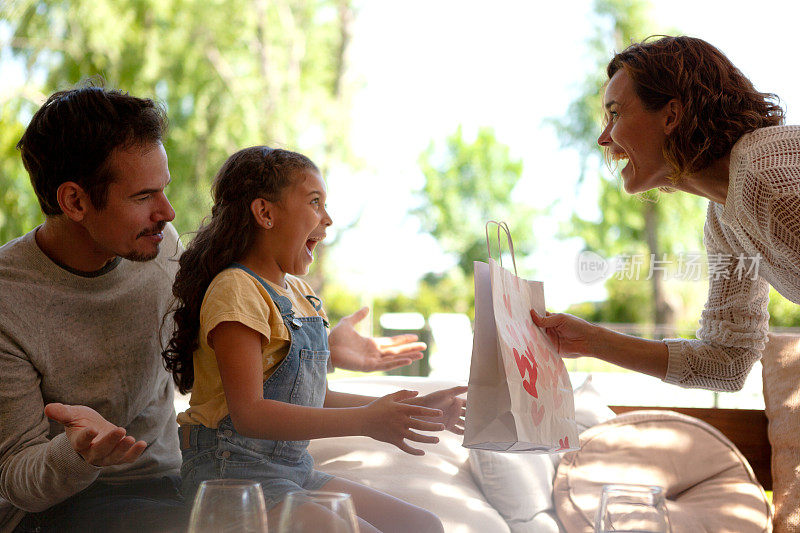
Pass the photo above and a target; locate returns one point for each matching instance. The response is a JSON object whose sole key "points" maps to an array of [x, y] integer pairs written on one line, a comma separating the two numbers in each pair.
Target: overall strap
{"points": [[283, 303], [317, 304]]}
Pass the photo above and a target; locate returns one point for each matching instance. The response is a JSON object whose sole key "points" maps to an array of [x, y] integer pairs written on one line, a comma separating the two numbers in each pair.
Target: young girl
{"points": [[251, 344]]}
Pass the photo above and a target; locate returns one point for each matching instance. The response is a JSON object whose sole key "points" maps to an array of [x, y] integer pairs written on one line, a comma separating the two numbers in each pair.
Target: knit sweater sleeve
{"points": [[733, 325], [35, 472]]}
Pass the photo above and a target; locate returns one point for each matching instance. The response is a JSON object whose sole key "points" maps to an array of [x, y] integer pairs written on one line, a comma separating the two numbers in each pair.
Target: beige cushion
{"points": [[440, 481], [708, 483], [781, 360]]}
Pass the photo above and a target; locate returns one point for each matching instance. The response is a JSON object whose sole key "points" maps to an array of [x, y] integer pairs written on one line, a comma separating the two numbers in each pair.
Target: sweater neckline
{"points": [[66, 273]]}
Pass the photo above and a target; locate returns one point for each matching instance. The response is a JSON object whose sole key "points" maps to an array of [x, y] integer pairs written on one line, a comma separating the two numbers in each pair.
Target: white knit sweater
{"points": [[761, 216]]}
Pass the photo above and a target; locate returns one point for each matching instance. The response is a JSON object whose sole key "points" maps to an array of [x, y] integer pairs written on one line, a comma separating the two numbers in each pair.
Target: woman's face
{"points": [[635, 134]]}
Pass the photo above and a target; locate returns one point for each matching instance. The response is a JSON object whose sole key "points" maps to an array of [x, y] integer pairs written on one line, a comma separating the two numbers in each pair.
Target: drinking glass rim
{"points": [[322, 494], [229, 483]]}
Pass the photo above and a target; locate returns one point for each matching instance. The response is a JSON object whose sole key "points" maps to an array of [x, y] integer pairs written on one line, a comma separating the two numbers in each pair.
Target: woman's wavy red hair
{"points": [[719, 103]]}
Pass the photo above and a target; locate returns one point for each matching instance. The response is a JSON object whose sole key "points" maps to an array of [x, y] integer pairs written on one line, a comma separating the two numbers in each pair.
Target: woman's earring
{"points": [[269, 224]]}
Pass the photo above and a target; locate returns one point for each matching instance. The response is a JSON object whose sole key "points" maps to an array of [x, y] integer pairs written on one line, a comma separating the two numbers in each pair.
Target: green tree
{"points": [[651, 224], [231, 74], [468, 183], [19, 210], [782, 312]]}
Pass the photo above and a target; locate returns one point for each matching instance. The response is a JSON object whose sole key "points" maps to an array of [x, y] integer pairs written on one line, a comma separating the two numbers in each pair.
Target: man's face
{"points": [[130, 224]]}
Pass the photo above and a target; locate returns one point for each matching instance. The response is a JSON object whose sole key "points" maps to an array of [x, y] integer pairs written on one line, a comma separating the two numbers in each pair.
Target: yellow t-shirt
{"points": [[236, 296]]}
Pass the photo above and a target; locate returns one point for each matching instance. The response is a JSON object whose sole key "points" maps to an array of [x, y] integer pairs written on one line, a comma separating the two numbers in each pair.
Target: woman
{"points": [[685, 118]]}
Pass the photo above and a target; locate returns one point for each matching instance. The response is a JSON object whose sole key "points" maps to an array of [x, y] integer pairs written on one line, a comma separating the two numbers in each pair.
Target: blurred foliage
{"points": [[231, 74], [451, 292], [650, 223], [339, 301], [631, 302], [782, 312], [467, 183], [19, 210], [627, 302]]}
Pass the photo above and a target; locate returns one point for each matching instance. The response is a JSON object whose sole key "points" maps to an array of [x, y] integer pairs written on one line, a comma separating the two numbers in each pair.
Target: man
{"points": [[82, 298]]}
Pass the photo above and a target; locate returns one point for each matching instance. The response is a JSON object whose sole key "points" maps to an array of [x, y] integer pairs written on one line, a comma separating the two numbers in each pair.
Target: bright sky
{"points": [[426, 67]]}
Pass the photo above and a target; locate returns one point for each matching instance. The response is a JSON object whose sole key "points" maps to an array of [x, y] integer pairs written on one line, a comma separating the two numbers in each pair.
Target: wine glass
{"points": [[632, 509], [229, 506], [316, 510]]}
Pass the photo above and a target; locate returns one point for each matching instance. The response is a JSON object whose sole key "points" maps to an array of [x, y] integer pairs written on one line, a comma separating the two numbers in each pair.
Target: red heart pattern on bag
{"points": [[507, 303], [527, 366]]}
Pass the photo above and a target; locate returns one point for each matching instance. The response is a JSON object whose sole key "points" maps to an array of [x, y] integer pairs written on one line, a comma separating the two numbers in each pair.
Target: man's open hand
{"points": [[352, 351], [97, 440]]}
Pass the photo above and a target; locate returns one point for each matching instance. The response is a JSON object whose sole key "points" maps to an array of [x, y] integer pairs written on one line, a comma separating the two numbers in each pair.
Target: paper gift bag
{"points": [[520, 396]]}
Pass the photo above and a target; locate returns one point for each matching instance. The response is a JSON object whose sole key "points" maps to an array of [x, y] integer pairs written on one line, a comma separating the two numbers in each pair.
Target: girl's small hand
{"points": [[390, 419], [453, 408], [569, 334]]}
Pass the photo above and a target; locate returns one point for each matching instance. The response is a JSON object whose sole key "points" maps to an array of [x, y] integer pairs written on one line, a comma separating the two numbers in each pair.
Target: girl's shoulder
{"points": [[234, 285], [229, 278]]}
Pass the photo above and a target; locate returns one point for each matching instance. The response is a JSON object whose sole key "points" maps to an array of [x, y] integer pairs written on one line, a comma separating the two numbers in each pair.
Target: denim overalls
{"points": [[280, 466]]}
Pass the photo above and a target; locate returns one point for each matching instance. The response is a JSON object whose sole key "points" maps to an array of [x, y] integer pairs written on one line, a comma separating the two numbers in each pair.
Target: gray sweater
{"points": [[93, 341]]}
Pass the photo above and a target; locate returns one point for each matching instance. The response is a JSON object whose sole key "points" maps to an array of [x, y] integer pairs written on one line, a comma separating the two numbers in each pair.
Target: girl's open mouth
{"points": [[310, 245]]}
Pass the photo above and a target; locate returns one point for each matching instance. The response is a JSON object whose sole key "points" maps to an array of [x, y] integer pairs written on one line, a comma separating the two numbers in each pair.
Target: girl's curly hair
{"points": [[719, 103]]}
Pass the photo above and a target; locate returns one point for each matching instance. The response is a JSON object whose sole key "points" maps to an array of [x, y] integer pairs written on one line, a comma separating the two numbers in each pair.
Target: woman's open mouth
{"points": [[619, 156]]}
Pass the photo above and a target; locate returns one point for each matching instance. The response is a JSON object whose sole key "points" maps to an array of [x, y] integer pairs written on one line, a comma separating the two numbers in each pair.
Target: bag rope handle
{"points": [[501, 225]]}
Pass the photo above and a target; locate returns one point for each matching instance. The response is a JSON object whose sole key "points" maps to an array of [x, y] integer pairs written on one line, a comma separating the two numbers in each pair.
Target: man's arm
{"points": [[352, 351], [37, 472]]}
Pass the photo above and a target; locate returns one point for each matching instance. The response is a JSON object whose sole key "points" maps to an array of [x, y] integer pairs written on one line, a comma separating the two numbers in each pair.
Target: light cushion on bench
{"points": [[440, 481], [781, 360], [708, 483]]}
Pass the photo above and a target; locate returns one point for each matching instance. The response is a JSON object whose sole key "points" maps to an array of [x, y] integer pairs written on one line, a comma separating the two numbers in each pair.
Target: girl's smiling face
{"points": [[297, 223], [636, 134]]}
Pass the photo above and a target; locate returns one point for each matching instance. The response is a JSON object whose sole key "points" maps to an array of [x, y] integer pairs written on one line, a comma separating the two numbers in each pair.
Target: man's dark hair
{"points": [[71, 137]]}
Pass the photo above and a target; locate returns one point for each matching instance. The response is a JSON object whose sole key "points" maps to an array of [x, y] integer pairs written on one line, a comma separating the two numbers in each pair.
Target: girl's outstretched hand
{"points": [[453, 408], [390, 419], [570, 335], [352, 351]]}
